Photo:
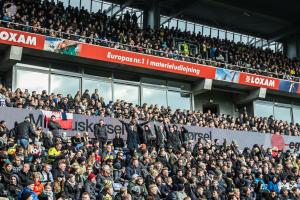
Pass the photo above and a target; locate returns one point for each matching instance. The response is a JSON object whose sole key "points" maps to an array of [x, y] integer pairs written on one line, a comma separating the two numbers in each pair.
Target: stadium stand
{"points": [[97, 28], [155, 152], [94, 104]]}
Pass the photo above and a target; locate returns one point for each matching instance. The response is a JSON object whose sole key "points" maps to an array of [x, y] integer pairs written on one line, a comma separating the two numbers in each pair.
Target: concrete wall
{"points": [[224, 100]]}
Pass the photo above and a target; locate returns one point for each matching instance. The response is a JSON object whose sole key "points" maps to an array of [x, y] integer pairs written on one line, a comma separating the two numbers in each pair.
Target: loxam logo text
{"points": [[18, 38], [260, 81]]}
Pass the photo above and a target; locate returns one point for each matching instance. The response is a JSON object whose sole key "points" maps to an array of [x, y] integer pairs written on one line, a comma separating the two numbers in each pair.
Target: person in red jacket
{"points": [[38, 186]]}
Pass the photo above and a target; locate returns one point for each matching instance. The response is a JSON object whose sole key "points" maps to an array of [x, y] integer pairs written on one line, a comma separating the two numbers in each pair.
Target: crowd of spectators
{"points": [[93, 104], [36, 164], [46, 17]]}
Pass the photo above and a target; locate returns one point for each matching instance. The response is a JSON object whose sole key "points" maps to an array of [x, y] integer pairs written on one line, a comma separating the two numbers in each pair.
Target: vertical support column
{"points": [[152, 14]]}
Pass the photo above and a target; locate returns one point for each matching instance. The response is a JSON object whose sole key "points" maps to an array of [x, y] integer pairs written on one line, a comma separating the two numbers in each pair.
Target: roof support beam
{"points": [[122, 7], [183, 5]]}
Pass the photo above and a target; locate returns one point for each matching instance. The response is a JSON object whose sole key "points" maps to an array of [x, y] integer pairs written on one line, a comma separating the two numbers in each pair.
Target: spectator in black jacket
{"points": [[54, 127], [133, 139], [25, 174], [23, 132], [100, 133], [71, 188], [14, 187], [118, 142]]}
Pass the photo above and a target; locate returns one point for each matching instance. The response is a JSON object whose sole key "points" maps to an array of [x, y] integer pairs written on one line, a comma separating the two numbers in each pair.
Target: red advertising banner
{"points": [[21, 38], [146, 61], [259, 81], [67, 47]]}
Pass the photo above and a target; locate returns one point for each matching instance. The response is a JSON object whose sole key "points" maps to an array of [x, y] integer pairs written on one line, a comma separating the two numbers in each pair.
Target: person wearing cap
{"points": [[90, 186], [100, 132], [28, 189], [107, 192], [24, 131]]}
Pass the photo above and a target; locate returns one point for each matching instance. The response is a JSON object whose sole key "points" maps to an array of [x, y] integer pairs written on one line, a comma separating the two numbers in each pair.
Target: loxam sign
{"points": [[20, 38]]}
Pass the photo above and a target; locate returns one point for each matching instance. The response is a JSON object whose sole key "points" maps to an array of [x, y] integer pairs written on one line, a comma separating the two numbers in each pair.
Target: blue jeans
{"points": [[23, 142]]}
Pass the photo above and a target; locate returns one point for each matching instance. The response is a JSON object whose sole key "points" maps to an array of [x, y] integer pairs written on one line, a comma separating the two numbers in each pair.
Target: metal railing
{"points": [[139, 49]]}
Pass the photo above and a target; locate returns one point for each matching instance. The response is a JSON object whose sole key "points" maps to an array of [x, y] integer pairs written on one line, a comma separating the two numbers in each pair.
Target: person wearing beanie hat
{"points": [[28, 190], [90, 186], [107, 192]]}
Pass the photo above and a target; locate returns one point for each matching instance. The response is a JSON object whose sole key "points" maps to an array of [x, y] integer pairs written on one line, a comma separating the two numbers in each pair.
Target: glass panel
{"points": [[179, 100], [103, 87], [33, 81], [65, 2], [258, 42], [198, 28], [214, 33], [181, 25], [244, 39], [282, 113], [127, 93], [86, 4], [74, 3], [96, 6], [206, 31], [296, 114], [229, 36], [222, 34], [237, 38], [173, 23], [263, 109], [163, 19], [154, 96], [179, 85], [64, 84], [105, 7], [251, 40], [190, 27]]}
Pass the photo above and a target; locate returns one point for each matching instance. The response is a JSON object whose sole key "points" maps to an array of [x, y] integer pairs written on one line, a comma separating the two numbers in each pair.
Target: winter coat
{"points": [[24, 130], [90, 188], [27, 190], [54, 128], [73, 192], [100, 132]]}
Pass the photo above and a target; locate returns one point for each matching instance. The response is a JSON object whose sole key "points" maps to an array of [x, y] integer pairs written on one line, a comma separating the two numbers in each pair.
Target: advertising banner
{"points": [[84, 50], [82, 123], [288, 86], [227, 75], [62, 46], [146, 61], [259, 81], [21, 38]]}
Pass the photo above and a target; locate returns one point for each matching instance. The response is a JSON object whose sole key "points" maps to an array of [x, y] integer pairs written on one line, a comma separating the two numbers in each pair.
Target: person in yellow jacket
{"points": [[185, 49], [55, 153]]}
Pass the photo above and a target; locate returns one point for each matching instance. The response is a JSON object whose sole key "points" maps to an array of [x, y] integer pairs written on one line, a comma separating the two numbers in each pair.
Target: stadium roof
{"points": [[270, 19]]}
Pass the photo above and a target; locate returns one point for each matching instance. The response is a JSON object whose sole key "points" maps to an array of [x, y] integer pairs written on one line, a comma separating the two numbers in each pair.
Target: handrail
{"points": [[103, 42]]}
